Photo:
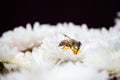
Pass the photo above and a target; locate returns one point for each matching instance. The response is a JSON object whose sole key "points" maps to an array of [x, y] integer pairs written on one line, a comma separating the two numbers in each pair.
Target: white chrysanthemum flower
{"points": [[68, 71], [76, 71], [24, 61], [7, 55], [26, 38], [100, 48], [117, 21], [12, 59], [105, 57], [51, 54]]}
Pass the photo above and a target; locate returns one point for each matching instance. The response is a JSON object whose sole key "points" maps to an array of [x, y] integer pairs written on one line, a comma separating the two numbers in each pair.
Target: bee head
{"points": [[77, 45]]}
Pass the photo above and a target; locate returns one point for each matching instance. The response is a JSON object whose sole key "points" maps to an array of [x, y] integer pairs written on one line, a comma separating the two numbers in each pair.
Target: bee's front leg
{"points": [[65, 48]]}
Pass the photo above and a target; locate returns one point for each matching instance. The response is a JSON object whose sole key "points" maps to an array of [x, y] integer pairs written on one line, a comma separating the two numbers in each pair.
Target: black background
{"points": [[95, 13]]}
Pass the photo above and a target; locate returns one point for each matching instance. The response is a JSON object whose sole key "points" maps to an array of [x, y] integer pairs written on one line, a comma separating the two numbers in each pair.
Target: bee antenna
{"points": [[66, 36]]}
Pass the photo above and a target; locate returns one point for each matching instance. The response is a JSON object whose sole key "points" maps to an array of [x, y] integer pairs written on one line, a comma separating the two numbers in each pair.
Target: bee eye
{"points": [[79, 44]]}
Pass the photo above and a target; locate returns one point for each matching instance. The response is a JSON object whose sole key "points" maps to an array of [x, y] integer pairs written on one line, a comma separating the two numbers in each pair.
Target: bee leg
{"points": [[78, 50], [65, 48], [75, 51]]}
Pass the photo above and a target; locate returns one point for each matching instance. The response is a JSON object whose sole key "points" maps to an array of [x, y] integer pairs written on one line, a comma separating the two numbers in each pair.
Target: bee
{"points": [[70, 43]]}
